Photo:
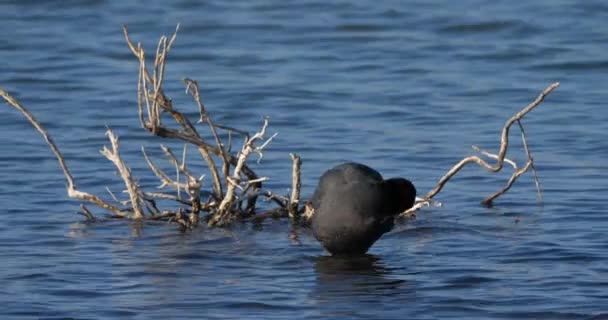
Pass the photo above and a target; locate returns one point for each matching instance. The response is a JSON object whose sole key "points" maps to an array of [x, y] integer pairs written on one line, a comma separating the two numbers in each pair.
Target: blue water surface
{"points": [[403, 86]]}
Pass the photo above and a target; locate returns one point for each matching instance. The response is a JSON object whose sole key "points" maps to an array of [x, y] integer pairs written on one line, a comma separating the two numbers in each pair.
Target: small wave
{"points": [[601, 65], [481, 27], [361, 28]]}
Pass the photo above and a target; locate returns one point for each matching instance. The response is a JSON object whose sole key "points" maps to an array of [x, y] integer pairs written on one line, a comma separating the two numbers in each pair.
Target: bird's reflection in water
{"points": [[355, 276], [329, 266]]}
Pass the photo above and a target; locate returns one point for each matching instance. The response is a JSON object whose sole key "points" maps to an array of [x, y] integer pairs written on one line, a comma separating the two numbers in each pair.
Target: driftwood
{"points": [[235, 187], [500, 160]]}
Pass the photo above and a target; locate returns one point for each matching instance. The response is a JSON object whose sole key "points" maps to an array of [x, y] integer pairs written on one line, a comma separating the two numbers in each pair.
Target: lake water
{"points": [[405, 87]]}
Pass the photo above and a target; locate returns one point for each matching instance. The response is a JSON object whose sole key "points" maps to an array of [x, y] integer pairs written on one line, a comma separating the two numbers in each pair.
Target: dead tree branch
{"points": [[500, 157], [531, 161], [156, 103], [193, 89], [164, 178], [295, 186], [517, 173], [222, 216], [73, 192], [153, 106], [192, 185], [132, 188], [230, 191]]}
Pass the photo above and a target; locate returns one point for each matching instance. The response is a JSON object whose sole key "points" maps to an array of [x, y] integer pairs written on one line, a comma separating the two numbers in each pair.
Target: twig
{"points": [[167, 196], [531, 160], [180, 167], [529, 164], [495, 156], [504, 142], [309, 211], [113, 196], [295, 186], [420, 203], [217, 184], [132, 188], [88, 214], [488, 201], [232, 129], [164, 178], [73, 192], [274, 213], [220, 217], [193, 89], [281, 201], [157, 100], [193, 186], [150, 204]]}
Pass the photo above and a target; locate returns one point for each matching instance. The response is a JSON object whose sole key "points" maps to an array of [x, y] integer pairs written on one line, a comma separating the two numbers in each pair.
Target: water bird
{"points": [[354, 206]]}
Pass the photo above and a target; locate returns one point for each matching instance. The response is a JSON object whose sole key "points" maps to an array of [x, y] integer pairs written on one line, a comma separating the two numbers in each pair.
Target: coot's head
{"points": [[401, 192]]}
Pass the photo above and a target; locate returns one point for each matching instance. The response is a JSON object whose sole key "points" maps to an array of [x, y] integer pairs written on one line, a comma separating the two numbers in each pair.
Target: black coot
{"points": [[354, 206]]}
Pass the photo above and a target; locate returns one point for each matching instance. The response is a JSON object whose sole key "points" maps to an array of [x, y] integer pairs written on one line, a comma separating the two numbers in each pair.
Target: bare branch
{"points": [[504, 142], [193, 89], [124, 203], [165, 196], [152, 104], [132, 188], [500, 159], [14, 103], [193, 186], [531, 161], [418, 204], [231, 129], [529, 164], [180, 167], [217, 184], [87, 213], [495, 156], [309, 211], [281, 201], [157, 100], [249, 146], [164, 178], [488, 201], [273, 213], [72, 191], [295, 186]]}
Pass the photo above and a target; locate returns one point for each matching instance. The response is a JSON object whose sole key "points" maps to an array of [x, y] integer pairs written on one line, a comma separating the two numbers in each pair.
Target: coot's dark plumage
{"points": [[353, 207]]}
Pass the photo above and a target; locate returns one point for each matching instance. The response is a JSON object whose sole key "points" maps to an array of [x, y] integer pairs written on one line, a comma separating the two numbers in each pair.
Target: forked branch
{"points": [[73, 192], [125, 173], [221, 217], [500, 157]]}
